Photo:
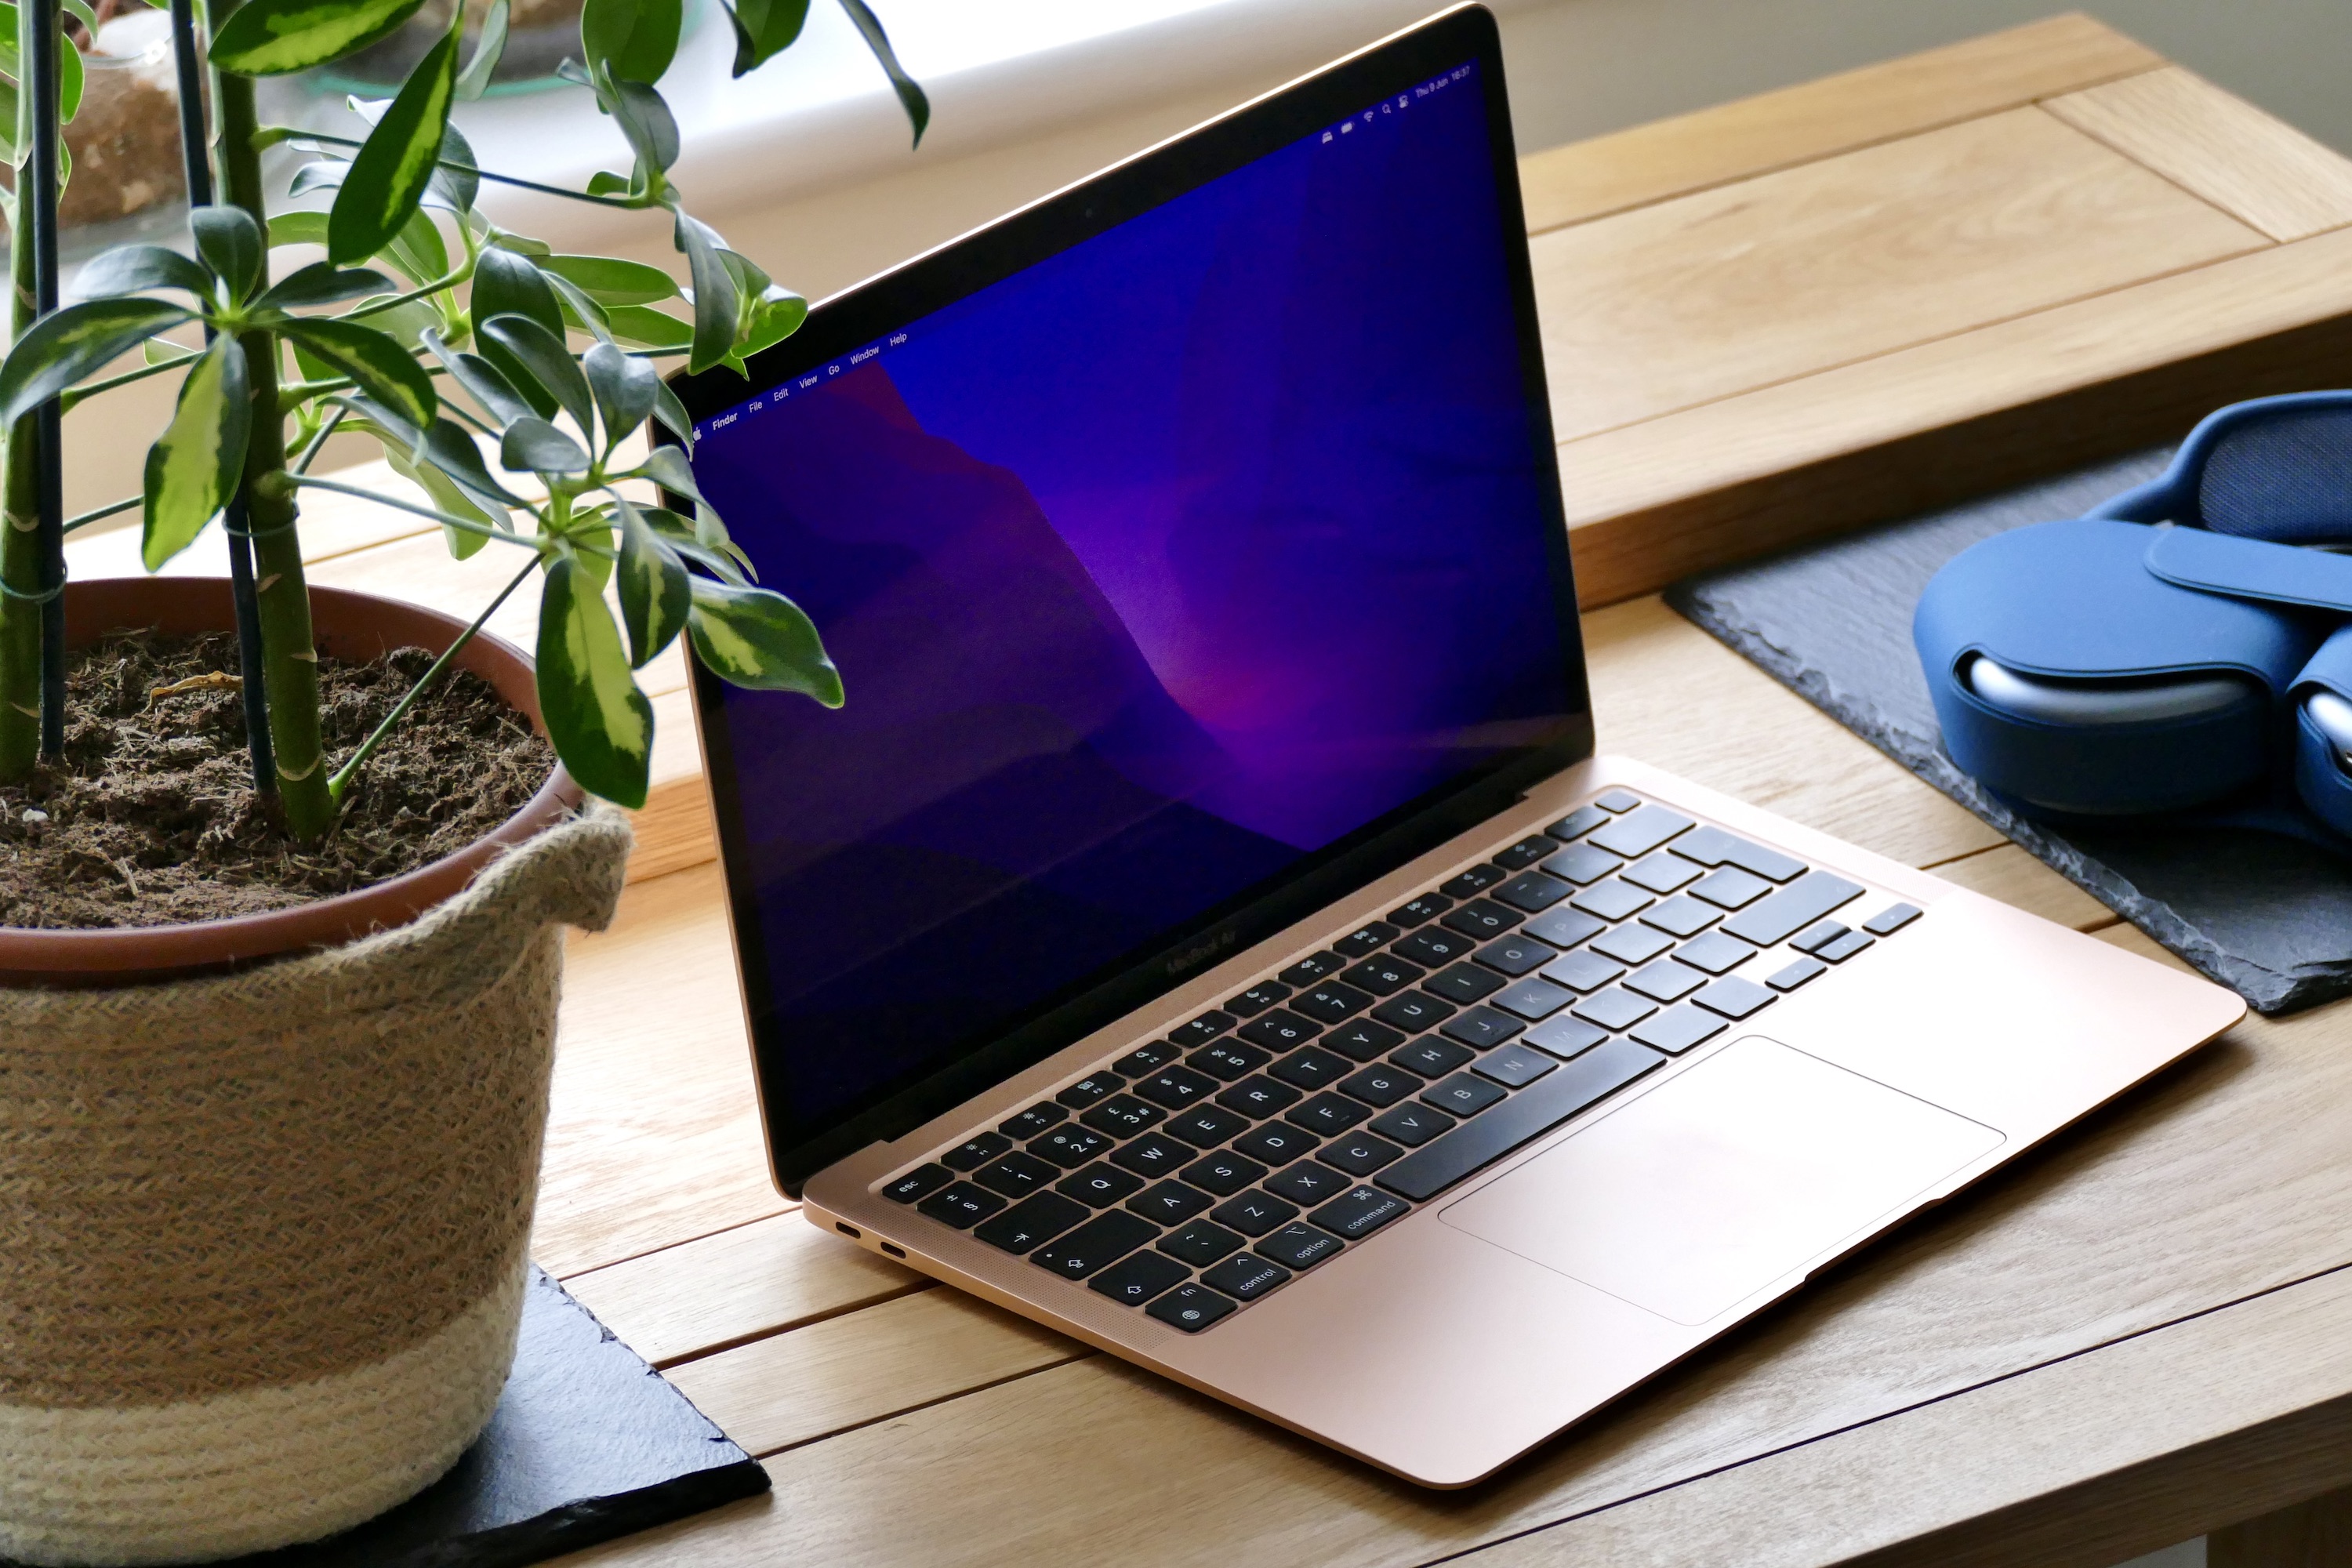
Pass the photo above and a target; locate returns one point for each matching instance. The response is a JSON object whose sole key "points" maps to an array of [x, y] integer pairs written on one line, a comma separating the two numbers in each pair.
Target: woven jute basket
{"points": [[262, 1233]]}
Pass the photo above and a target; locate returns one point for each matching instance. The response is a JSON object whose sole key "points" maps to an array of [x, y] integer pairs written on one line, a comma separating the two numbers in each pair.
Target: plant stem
{"points": [[100, 514], [289, 660], [462, 524], [341, 782], [310, 451], [320, 136], [90, 389], [21, 567], [38, 49]]}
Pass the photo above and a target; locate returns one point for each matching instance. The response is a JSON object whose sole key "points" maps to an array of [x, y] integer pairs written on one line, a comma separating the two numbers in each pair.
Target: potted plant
{"points": [[266, 1177]]}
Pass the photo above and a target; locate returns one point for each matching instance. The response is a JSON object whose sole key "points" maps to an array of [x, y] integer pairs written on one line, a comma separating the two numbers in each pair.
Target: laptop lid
{"points": [[1190, 546]]}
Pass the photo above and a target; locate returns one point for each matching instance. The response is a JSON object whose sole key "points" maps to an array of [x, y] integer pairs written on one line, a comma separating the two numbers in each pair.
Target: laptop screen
{"points": [[1156, 570]]}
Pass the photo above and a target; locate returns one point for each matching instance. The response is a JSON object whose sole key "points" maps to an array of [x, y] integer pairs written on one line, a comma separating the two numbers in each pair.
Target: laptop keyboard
{"points": [[1198, 1173]]}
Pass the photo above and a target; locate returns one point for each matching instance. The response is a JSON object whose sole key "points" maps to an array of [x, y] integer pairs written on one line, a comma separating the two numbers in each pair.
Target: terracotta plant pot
{"points": [[348, 626]]}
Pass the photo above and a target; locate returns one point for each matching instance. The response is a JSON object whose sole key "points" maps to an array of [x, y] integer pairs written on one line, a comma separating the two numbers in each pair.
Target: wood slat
{"points": [[1716, 294], [2314, 1533], [2010, 875], [1815, 120], [2261, 171]]}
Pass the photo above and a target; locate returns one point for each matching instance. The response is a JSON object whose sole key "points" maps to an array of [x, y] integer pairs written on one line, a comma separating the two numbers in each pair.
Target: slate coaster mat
{"points": [[587, 1444], [2260, 898]]}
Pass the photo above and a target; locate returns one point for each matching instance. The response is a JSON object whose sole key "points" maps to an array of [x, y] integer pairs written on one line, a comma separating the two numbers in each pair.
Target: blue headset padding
{"points": [[2173, 496], [2321, 783], [2251, 568]]}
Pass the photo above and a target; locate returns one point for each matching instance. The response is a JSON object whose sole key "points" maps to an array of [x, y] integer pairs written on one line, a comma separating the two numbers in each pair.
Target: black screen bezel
{"points": [[799, 1147]]}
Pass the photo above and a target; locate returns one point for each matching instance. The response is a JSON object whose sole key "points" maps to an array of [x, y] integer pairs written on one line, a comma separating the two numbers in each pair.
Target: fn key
{"points": [[1190, 1308]]}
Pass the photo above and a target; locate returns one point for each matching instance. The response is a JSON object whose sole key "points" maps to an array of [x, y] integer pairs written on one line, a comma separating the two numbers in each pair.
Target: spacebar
{"points": [[1535, 1109]]}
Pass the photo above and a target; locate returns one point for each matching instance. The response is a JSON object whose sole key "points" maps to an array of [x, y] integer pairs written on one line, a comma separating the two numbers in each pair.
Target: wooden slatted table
{"points": [[1774, 319]]}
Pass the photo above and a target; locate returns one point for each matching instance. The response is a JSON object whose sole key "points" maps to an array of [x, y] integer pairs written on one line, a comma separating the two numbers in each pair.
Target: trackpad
{"points": [[1710, 1187]]}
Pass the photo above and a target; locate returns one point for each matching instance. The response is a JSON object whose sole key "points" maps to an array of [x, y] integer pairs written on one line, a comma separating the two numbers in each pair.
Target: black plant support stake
{"points": [[43, 69], [193, 144]]}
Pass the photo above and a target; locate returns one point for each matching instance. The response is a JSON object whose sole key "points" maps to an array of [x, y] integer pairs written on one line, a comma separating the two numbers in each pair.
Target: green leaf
{"points": [[80, 11], [580, 312], [756, 638], [270, 37], [603, 182], [322, 283], [635, 40], [61, 348], [672, 413], [625, 386], [669, 468], [418, 249], [388, 177], [518, 244], [542, 356], [132, 268], [655, 593], [193, 470], [602, 725], [647, 122], [773, 320], [70, 84], [229, 242], [474, 79], [506, 285], [610, 281], [679, 535], [449, 497], [535, 446], [299, 228], [324, 174], [458, 179], [764, 28], [714, 293], [482, 381], [379, 366], [653, 329], [910, 96]]}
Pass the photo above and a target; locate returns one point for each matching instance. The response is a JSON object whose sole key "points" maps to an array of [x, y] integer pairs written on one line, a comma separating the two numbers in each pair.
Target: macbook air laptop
{"points": [[1208, 928]]}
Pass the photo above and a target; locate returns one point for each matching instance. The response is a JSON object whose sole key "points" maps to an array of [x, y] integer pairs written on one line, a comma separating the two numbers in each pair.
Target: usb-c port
{"points": [[894, 1251], [849, 1230]]}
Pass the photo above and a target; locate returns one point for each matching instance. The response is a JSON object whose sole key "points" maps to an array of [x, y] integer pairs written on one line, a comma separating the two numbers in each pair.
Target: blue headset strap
{"points": [[2250, 568], [2171, 496]]}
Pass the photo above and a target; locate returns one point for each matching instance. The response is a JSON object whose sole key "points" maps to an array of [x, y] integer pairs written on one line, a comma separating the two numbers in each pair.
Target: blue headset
{"points": [[2188, 644]]}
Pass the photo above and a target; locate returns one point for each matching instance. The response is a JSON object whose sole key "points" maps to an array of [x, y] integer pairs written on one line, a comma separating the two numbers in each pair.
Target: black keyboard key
{"points": [[1660, 873], [1533, 891], [1427, 907], [1123, 1115], [1734, 997], [1586, 971], [1034, 1120], [1465, 984], [1276, 1143], [1890, 919], [1279, 1030], [1821, 934], [1617, 800], [1365, 940], [1140, 1276], [1358, 1153], [1385, 976], [1070, 1147], [1100, 1185], [1730, 888], [1794, 908], [1311, 1068], [1534, 1111], [1411, 1125], [1533, 999], [1380, 1086], [1632, 945], [1714, 953], [1469, 883], [1481, 1029], [1432, 1058], [976, 1154], [1612, 900], [1563, 928], [1143, 1058], [1031, 1223], [1254, 1214], [1206, 1126], [1154, 1155], [1564, 1036], [1172, 1088], [1666, 981], [1361, 1040], [1331, 1002], [1615, 1008], [1307, 1182], [1435, 948], [918, 1183], [1259, 1096], [1315, 967], [1640, 831], [1514, 1066], [1223, 1173], [1246, 1278], [1016, 1174], [1326, 1114], [1677, 1029], [1713, 847], [1202, 1243], [1258, 998], [1088, 1090], [1577, 823], [1464, 1094], [1357, 1213], [1413, 1011], [1202, 1029], [1796, 974], [1515, 956], [1170, 1203], [1481, 919], [1844, 948], [1682, 916], [1581, 864], [1525, 853], [1190, 1308], [1296, 1246], [1228, 1059], [961, 1205]]}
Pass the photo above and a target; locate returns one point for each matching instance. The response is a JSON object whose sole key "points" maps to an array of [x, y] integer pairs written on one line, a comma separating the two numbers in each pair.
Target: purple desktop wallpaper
{"points": [[1150, 571]]}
